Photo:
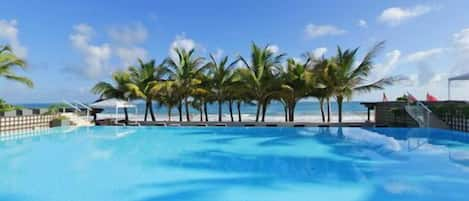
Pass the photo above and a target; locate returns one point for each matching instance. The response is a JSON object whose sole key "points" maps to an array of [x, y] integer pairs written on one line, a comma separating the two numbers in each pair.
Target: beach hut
{"points": [[456, 78], [114, 103]]}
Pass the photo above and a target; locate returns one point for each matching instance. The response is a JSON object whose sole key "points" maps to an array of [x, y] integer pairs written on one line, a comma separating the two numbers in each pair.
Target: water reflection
{"points": [[148, 163]]}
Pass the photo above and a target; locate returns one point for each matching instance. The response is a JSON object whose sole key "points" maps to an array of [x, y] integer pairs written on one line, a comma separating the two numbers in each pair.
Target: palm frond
{"points": [[20, 79]]}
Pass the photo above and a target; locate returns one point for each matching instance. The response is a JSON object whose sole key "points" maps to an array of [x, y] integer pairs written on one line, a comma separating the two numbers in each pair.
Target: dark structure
{"points": [[455, 114]]}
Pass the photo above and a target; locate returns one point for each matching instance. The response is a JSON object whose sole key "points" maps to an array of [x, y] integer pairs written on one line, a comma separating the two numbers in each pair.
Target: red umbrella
{"points": [[411, 98], [431, 98]]}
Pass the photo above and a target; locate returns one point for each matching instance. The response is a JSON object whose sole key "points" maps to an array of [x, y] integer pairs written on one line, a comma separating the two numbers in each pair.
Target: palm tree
{"points": [[184, 70], [143, 79], [8, 60], [259, 75], [297, 82], [324, 91], [239, 91], [203, 94], [221, 76], [119, 90], [167, 95], [348, 79]]}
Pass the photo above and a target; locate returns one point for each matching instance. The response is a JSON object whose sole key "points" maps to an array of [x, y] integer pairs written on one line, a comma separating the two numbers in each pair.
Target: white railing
{"points": [[88, 109], [77, 108], [420, 113]]}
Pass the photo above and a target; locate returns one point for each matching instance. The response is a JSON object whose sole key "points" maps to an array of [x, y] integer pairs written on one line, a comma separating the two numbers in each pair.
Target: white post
{"points": [[449, 89], [117, 111]]}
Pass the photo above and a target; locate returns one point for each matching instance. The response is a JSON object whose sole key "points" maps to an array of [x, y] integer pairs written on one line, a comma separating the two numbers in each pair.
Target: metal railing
{"points": [[420, 113], [77, 108]]}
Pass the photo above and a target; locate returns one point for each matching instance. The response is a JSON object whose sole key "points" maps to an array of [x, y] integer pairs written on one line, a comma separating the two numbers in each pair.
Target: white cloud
{"points": [[424, 54], [314, 31], [396, 15], [427, 75], [128, 34], [362, 23], [461, 51], [126, 39], [273, 48], [181, 42], [298, 59], [384, 69], [461, 40], [319, 52], [218, 54], [129, 56], [9, 34], [96, 57], [411, 80]]}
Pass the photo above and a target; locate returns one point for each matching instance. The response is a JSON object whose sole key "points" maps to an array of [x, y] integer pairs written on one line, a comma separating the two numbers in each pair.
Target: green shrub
{"points": [[60, 118], [5, 107], [56, 108], [452, 109]]}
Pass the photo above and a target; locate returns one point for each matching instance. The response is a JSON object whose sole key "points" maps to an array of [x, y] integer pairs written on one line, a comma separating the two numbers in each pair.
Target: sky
{"points": [[72, 45]]}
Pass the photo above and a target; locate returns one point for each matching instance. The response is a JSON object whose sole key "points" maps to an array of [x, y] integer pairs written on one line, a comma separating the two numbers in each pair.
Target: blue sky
{"points": [[71, 45]]}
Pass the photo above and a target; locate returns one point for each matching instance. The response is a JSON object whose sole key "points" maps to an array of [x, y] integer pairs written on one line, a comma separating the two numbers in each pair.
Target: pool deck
{"points": [[239, 124]]}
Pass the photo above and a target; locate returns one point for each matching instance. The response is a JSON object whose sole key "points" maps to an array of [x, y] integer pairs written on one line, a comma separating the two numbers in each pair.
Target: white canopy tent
{"points": [[456, 78], [114, 103]]}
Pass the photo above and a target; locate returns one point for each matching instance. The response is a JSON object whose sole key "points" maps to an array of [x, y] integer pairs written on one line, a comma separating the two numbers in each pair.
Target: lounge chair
{"points": [[381, 126], [160, 124], [133, 123], [299, 125], [174, 124]]}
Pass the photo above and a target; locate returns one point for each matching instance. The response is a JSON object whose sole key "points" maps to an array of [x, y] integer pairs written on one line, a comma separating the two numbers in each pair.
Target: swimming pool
{"points": [[235, 164]]}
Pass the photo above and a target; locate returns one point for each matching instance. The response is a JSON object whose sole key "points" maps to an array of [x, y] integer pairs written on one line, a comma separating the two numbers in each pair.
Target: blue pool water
{"points": [[235, 164]]}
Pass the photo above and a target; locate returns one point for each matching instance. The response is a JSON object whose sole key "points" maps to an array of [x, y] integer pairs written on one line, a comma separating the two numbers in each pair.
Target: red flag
{"points": [[431, 98], [410, 98], [385, 98]]}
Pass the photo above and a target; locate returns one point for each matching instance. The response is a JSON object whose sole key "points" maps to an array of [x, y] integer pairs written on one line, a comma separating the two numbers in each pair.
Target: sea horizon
{"points": [[307, 111]]}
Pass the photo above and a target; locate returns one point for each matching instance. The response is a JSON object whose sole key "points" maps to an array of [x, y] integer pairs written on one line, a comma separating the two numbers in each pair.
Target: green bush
{"points": [[451, 109], [56, 108], [402, 98], [5, 107], [60, 118]]}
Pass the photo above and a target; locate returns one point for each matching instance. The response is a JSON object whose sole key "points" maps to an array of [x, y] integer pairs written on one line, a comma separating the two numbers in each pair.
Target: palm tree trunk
{"points": [[186, 102], [292, 112], [169, 113], [321, 107], [126, 115], [201, 113], [152, 114], [219, 110], [340, 100], [259, 104], [180, 110], [146, 112], [285, 110], [205, 111], [238, 104], [264, 110], [328, 109], [231, 109]]}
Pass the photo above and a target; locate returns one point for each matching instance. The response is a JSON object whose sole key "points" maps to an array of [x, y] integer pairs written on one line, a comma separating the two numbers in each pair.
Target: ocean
{"points": [[305, 111]]}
